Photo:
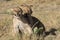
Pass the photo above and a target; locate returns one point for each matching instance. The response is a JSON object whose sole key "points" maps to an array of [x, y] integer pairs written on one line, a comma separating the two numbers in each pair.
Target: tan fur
{"points": [[17, 21], [15, 10], [24, 9]]}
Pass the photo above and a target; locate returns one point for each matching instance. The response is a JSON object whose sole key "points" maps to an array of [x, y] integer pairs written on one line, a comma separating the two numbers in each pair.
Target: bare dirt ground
{"points": [[47, 11]]}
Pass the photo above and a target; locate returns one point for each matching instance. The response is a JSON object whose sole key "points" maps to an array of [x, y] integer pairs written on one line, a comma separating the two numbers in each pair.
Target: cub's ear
{"points": [[23, 4], [31, 5]]}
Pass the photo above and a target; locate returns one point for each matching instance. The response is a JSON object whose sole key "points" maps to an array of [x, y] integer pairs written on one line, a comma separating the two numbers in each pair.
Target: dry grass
{"points": [[47, 11]]}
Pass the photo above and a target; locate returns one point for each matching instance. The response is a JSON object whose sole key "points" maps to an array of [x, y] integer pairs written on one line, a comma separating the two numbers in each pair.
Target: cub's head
{"points": [[22, 10], [26, 9], [17, 11]]}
